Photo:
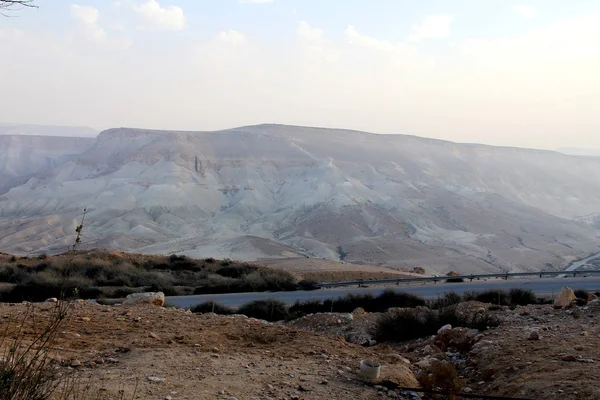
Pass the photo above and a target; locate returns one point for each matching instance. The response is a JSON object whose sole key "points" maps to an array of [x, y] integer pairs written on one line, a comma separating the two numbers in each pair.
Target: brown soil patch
{"points": [[323, 270]]}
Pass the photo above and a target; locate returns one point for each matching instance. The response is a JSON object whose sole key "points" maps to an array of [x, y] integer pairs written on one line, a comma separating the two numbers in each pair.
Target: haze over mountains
{"points": [[273, 191], [46, 130]]}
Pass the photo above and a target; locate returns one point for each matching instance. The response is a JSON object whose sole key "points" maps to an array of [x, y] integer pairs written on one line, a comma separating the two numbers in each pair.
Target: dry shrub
{"points": [[27, 369], [269, 310], [212, 307], [442, 377]]}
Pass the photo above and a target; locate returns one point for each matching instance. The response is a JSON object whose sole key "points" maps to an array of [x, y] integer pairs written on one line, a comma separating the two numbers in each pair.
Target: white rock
{"points": [[155, 298], [445, 328]]}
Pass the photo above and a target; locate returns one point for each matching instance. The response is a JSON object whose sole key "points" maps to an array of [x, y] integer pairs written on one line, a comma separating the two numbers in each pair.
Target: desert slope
{"points": [[273, 191]]}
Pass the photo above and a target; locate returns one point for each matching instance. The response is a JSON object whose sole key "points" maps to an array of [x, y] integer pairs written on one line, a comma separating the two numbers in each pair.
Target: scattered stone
{"points": [[471, 333], [86, 319], [153, 335], [398, 358], [585, 333], [156, 379], [324, 382], [430, 350], [424, 363], [533, 335], [75, 364], [569, 358], [467, 390], [52, 300], [565, 298]]}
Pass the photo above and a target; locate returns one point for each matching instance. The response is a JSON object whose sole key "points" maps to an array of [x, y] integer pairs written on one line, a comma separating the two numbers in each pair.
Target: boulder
{"points": [[445, 328], [456, 339], [359, 313], [154, 298], [565, 298], [398, 375], [533, 335]]}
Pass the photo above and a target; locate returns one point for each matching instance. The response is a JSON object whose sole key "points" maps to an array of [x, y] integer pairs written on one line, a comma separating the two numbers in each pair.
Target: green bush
{"points": [[400, 326], [521, 297], [446, 300], [480, 321], [269, 310], [390, 298], [302, 308], [495, 296], [308, 284], [346, 304], [212, 307]]}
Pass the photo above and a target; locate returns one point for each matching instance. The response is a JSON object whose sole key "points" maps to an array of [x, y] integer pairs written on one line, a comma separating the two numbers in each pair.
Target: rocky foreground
{"points": [[538, 352]]}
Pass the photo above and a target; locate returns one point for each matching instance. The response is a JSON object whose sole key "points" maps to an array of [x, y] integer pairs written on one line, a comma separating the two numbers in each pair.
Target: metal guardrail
{"points": [[436, 279]]}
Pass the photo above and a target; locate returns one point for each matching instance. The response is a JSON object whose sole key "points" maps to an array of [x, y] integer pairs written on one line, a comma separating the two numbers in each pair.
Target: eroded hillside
{"points": [[274, 191]]}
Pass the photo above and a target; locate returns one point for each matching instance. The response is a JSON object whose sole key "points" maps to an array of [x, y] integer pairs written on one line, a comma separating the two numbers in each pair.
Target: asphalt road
{"points": [[539, 286]]}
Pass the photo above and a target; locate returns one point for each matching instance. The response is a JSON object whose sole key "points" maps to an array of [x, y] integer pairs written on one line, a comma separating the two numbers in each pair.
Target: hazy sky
{"points": [[492, 71]]}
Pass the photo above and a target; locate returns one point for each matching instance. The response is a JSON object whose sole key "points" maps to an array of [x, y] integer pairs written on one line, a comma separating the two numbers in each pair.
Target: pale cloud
{"points": [[305, 31], [367, 41], [313, 40], [88, 16], [256, 1], [399, 54], [524, 11], [156, 17], [524, 89], [232, 37], [432, 27], [11, 33]]}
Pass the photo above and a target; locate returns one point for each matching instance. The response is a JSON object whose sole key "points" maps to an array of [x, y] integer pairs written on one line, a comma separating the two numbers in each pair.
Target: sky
{"points": [[519, 73]]}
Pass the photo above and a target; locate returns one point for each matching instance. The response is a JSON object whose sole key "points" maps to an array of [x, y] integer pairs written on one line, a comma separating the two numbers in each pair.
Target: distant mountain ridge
{"points": [[272, 191], [579, 152], [46, 130]]}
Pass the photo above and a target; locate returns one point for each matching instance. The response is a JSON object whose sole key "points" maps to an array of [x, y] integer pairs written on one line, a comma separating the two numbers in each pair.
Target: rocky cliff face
{"points": [[279, 191]]}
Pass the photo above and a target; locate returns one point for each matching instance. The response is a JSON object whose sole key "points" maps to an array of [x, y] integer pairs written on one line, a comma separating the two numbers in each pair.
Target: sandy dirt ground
{"points": [[173, 354], [163, 353]]}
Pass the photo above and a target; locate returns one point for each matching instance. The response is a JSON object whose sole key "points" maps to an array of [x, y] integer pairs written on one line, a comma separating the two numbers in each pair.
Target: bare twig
{"points": [[15, 5]]}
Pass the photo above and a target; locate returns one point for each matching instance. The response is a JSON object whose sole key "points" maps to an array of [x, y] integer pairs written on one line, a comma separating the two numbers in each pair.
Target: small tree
{"points": [[14, 5]]}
